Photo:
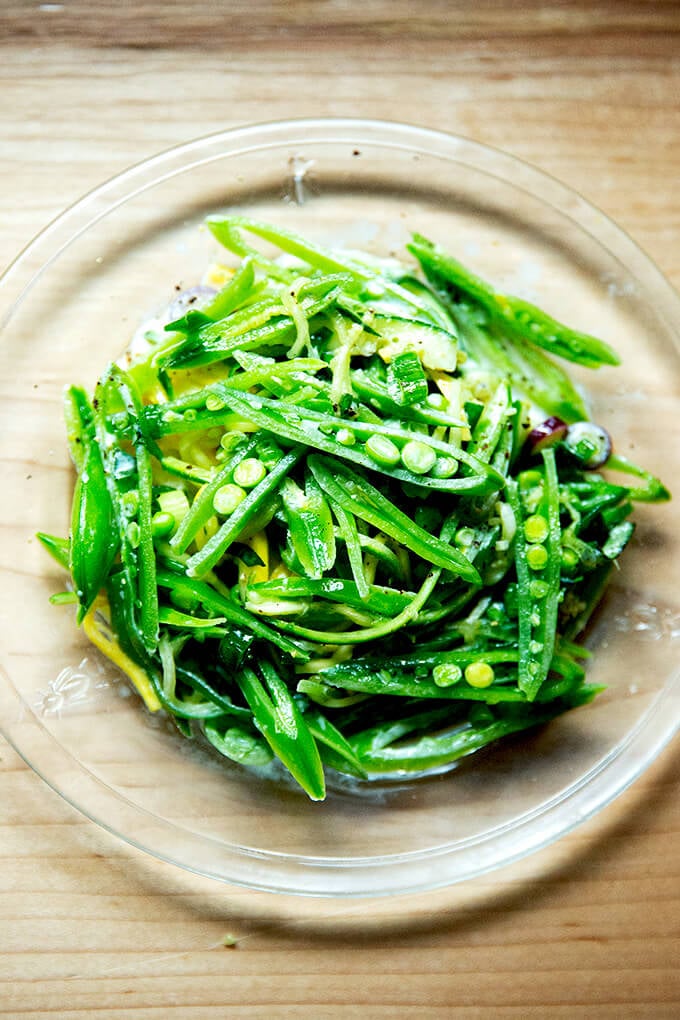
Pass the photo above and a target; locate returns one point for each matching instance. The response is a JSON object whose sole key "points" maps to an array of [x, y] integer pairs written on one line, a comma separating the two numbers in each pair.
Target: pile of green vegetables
{"points": [[345, 512]]}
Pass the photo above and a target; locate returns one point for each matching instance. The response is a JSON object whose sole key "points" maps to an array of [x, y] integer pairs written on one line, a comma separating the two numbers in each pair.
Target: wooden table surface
{"points": [[588, 91]]}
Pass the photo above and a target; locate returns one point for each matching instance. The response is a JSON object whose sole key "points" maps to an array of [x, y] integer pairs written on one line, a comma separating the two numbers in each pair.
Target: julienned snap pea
{"points": [[315, 526]]}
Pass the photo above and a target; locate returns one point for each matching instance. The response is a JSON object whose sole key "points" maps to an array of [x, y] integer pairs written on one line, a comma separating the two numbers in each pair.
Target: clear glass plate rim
{"points": [[323, 876], [269, 134], [143, 175]]}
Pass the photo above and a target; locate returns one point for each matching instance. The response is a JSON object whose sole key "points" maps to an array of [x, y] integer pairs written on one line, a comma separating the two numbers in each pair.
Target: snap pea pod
{"points": [[209, 555], [310, 525], [267, 415], [78, 421], [137, 511], [214, 602], [238, 743], [234, 292], [382, 600], [433, 751], [383, 683], [202, 506], [374, 392], [334, 749], [359, 496], [406, 381], [519, 318], [283, 726], [377, 630], [353, 544], [529, 370], [200, 685], [227, 231], [213, 341], [369, 741], [537, 562], [170, 416], [94, 539], [491, 424], [653, 491]]}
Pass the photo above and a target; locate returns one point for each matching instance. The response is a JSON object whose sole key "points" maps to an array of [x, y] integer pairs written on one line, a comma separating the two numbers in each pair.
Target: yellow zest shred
{"points": [[218, 275], [97, 626], [260, 546]]}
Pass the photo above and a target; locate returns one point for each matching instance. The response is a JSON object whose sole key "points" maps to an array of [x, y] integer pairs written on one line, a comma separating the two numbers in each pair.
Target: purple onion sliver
{"points": [[194, 297], [552, 430], [589, 443]]}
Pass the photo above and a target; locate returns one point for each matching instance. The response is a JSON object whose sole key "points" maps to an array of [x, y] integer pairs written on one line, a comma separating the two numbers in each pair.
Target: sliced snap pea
{"points": [[357, 495], [283, 726], [209, 555], [310, 525], [538, 578], [518, 317]]}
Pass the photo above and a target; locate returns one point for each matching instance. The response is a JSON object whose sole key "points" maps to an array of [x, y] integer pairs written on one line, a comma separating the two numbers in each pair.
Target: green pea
{"points": [[345, 437], [446, 674], [444, 467], [382, 450], [479, 674], [535, 528], [418, 457], [162, 524], [537, 557], [227, 498], [249, 472]]}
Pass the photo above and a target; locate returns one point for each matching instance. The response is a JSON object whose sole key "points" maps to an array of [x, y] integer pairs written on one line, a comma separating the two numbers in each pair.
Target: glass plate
{"points": [[72, 301]]}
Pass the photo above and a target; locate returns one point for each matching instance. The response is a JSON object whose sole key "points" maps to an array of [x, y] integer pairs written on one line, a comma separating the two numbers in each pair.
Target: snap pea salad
{"points": [[346, 512]]}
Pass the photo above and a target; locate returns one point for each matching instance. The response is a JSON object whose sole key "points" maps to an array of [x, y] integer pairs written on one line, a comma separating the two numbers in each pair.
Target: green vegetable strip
{"points": [[165, 689], [201, 686], [156, 415], [350, 535], [519, 318], [310, 526], [263, 413], [379, 630], [530, 371], [233, 293], [375, 393], [225, 232], [382, 600], [239, 744], [538, 613], [434, 751], [202, 506], [94, 540], [333, 747], [146, 557], [206, 558], [213, 342], [78, 421], [214, 602], [381, 682], [357, 495], [354, 558], [654, 490], [406, 380], [284, 728]]}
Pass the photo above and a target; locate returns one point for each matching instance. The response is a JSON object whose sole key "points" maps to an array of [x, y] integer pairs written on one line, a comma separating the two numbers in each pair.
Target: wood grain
{"points": [[590, 928]]}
